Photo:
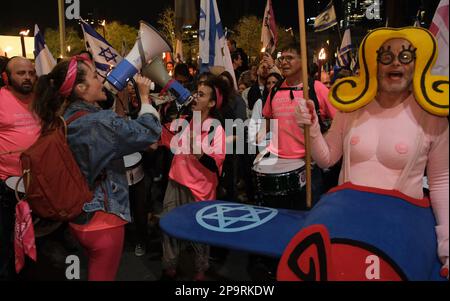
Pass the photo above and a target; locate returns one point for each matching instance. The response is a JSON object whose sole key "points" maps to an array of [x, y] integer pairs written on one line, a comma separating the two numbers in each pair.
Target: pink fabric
{"points": [[187, 170], [24, 239], [104, 249], [19, 129], [166, 136], [219, 99], [381, 143], [101, 221], [289, 137], [71, 76]]}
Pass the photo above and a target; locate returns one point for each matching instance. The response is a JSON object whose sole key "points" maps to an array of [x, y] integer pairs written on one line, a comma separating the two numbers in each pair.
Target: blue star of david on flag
{"points": [[108, 54], [230, 218], [105, 56]]}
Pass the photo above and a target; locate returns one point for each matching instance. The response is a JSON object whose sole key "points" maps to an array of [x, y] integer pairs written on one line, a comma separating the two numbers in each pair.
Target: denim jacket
{"points": [[99, 141]]}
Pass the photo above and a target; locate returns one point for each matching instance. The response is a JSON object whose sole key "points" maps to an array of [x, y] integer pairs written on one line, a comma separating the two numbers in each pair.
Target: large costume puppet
{"points": [[354, 232]]}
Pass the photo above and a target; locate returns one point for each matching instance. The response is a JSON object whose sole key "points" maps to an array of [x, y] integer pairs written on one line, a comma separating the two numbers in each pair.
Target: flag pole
{"points": [[338, 26], [62, 28], [304, 54]]}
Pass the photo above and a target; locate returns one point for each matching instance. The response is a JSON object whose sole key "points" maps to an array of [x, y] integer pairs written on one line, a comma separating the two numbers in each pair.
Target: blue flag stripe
{"points": [[39, 44], [90, 31], [212, 34]]}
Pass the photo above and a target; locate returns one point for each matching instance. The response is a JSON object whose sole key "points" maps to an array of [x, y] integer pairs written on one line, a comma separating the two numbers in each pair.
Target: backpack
{"points": [[55, 187], [324, 125]]}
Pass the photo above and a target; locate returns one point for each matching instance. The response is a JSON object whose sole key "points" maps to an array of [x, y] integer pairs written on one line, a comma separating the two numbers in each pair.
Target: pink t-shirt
{"points": [[288, 141], [391, 149], [187, 170], [19, 129]]}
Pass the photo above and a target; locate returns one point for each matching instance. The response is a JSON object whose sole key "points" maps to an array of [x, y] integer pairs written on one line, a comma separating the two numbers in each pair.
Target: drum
{"points": [[42, 227], [13, 182], [134, 168], [279, 177]]}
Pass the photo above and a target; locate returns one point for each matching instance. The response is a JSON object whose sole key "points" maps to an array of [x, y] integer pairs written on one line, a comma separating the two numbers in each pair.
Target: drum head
{"points": [[274, 165], [132, 159], [12, 182]]}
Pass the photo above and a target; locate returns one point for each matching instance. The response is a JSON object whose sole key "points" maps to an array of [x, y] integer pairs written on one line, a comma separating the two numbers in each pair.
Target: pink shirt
{"points": [[288, 141], [19, 129], [390, 149], [187, 170]]}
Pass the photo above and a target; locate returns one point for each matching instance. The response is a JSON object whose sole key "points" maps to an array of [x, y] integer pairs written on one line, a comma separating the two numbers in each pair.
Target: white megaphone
{"points": [[150, 43], [157, 72]]}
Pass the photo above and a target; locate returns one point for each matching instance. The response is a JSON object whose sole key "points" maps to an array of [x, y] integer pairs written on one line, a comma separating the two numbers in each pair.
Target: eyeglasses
{"points": [[405, 57], [287, 58]]}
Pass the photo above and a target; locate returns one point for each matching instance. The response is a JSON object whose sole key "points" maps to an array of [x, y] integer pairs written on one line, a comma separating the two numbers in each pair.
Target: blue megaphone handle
{"points": [[181, 92], [121, 74]]}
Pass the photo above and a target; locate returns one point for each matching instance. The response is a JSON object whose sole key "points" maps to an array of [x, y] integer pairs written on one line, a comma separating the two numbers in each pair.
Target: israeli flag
{"points": [[44, 60], [326, 19], [105, 56], [214, 51], [439, 28], [345, 51]]}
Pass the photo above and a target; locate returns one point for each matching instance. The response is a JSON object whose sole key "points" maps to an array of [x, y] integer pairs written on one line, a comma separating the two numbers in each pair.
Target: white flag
{"points": [[269, 35], [326, 19], [105, 56], [439, 28], [214, 51], [44, 60], [179, 51]]}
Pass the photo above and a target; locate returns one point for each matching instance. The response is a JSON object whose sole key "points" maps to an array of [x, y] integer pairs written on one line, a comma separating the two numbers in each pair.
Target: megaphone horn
{"points": [[152, 43], [156, 71]]}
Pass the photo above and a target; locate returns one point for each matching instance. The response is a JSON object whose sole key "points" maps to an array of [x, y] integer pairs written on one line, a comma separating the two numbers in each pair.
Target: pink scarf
{"points": [[24, 240]]}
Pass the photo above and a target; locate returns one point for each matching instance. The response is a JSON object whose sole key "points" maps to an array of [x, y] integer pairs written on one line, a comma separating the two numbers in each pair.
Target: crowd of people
{"points": [[268, 90]]}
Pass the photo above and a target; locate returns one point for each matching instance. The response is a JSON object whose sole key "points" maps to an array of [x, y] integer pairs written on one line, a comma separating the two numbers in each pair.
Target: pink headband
{"points": [[219, 101], [71, 76]]}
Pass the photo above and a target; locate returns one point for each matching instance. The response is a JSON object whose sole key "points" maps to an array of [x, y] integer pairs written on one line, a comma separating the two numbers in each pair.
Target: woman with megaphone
{"points": [[99, 140], [199, 153]]}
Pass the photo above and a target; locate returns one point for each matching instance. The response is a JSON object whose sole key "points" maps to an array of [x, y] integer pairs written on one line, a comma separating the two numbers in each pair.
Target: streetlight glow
{"points": [[24, 32], [322, 54]]}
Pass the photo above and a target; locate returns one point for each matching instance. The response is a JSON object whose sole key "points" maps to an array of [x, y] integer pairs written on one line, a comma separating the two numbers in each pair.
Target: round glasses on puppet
{"points": [[430, 91]]}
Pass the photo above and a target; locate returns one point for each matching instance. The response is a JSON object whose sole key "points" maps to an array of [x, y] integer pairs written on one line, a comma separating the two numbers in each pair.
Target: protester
{"points": [[390, 142], [194, 172], [19, 129], [288, 142], [99, 141]]}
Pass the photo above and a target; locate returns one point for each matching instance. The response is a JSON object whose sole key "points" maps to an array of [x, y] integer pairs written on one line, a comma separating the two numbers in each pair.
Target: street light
{"points": [[322, 59], [322, 54], [290, 30], [8, 49], [104, 28], [23, 33]]}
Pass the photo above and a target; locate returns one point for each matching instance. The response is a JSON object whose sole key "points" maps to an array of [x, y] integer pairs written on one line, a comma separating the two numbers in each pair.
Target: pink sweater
{"points": [[390, 149]]}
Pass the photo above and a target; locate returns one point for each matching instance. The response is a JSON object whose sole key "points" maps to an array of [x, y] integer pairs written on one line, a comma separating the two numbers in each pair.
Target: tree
{"points": [[248, 36], [72, 39], [167, 29], [285, 37], [167, 26], [119, 35]]}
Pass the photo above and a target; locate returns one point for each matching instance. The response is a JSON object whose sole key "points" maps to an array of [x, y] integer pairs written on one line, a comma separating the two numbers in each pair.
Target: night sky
{"points": [[15, 14]]}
